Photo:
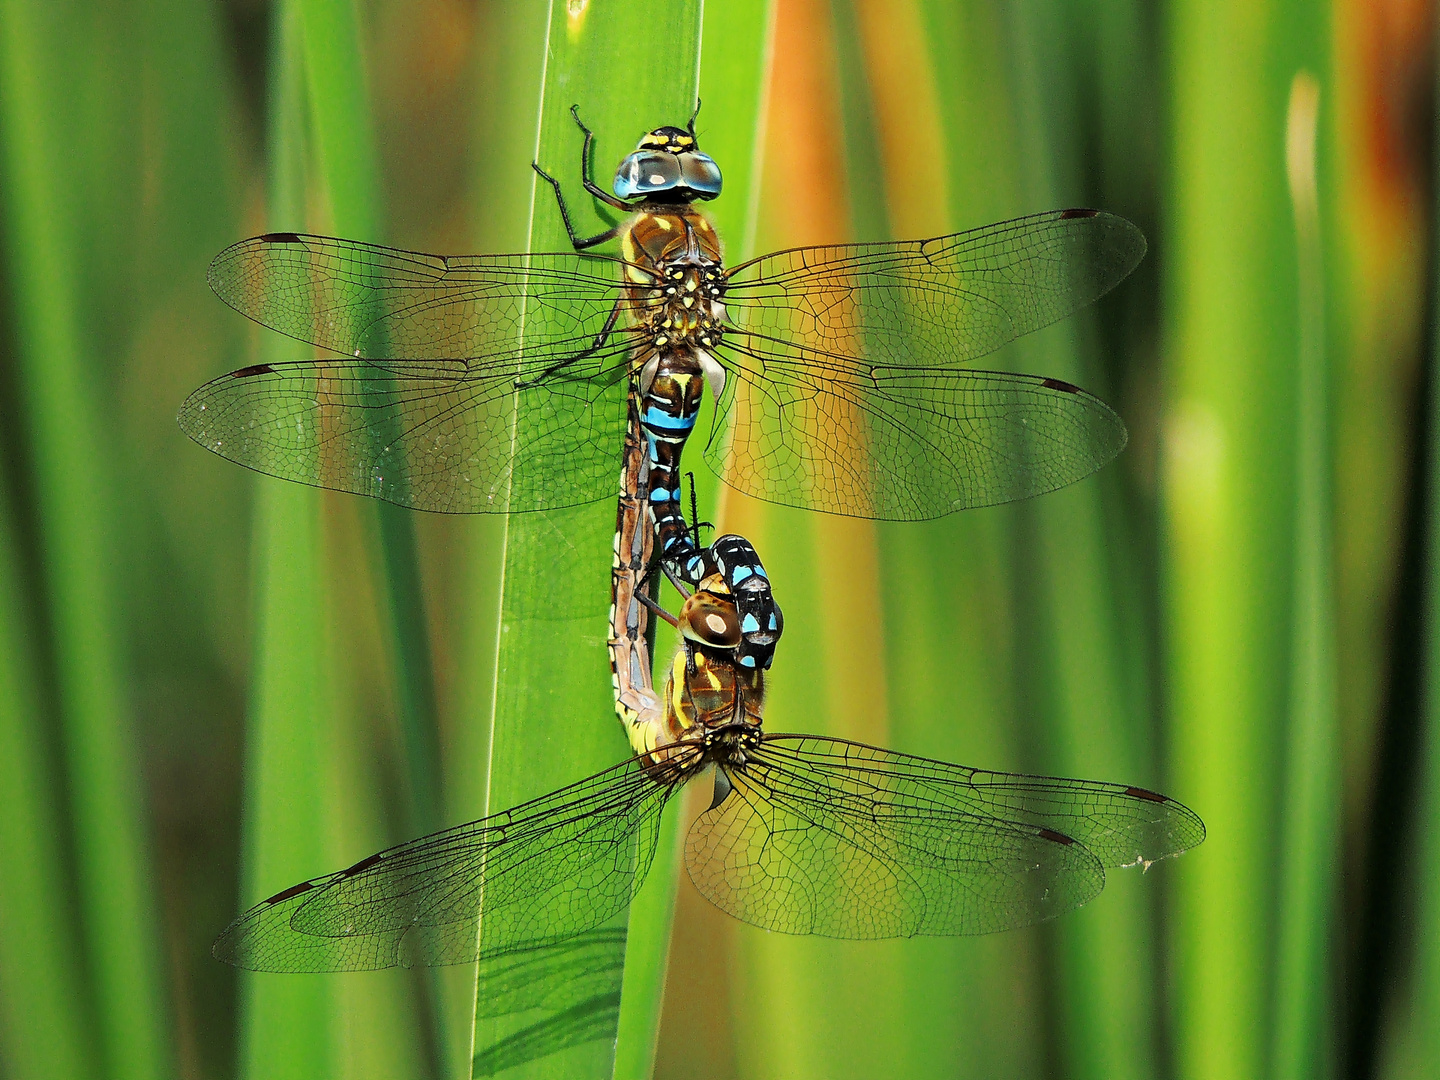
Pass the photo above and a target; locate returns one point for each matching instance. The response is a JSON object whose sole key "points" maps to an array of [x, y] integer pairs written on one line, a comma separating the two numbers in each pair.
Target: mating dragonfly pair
{"points": [[507, 383]]}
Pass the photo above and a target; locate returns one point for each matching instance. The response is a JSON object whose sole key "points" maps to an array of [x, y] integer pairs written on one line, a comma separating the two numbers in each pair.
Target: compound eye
{"points": [[700, 174], [709, 620]]}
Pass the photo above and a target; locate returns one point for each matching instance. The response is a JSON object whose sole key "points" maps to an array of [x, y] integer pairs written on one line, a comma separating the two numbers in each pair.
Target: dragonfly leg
{"points": [[577, 242], [585, 162], [654, 606], [690, 124], [589, 350], [681, 586]]}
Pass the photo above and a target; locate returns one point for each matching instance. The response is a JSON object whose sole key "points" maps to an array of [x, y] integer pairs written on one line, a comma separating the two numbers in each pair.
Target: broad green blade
{"points": [[553, 719], [1228, 477], [287, 1023], [734, 73]]}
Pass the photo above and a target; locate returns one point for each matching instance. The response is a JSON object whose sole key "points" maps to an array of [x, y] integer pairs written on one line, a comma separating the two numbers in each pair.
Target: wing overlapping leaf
{"points": [[540, 873], [431, 435], [845, 399], [364, 300]]}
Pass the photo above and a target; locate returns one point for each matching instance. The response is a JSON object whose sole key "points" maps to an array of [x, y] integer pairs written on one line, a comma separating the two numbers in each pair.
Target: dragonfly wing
{"points": [[936, 302], [540, 873], [821, 836], [848, 397], [432, 435], [364, 300], [1122, 824], [898, 444]]}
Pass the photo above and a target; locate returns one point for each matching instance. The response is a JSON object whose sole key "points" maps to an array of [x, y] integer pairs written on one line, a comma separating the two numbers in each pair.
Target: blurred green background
{"points": [[213, 684]]}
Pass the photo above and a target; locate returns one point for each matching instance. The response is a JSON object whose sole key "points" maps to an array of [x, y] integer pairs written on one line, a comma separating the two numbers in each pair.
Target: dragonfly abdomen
{"points": [[670, 406]]}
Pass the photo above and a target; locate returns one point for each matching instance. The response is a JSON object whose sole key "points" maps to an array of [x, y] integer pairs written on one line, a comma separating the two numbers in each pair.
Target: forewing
{"points": [[540, 873], [814, 838], [936, 302], [431, 435], [364, 300]]}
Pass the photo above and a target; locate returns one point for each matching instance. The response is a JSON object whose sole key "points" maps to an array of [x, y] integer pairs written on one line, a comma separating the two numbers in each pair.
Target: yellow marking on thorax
{"points": [[677, 691]]}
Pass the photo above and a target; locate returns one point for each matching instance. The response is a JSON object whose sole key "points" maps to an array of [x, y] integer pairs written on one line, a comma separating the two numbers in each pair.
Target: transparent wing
{"points": [[468, 384], [852, 404], [364, 300], [898, 444], [540, 873], [936, 302], [845, 840], [432, 435]]}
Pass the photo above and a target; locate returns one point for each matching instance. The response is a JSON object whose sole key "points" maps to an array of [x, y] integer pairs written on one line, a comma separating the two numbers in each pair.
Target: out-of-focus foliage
{"points": [[1240, 611]]}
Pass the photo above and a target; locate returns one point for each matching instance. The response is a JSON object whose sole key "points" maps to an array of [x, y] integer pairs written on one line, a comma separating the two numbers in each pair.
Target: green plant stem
{"points": [[339, 101], [73, 482], [43, 1029], [1068, 582], [553, 718], [1305, 1008], [287, 1022], [1229, 492]]}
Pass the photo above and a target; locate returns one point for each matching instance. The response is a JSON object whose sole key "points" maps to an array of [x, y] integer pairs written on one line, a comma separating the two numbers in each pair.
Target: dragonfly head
{"points": [[667, 166]]}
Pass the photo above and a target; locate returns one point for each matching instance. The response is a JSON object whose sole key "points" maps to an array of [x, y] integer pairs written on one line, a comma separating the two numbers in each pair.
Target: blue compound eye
{"points": [[689, 175], [701, 174], [647, 172]]}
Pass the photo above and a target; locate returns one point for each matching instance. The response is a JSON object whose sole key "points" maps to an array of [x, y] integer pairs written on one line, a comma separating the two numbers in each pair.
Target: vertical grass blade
{"points": [[44, 1027], [71, 452], [1069, 594], [339, 100], [1304, 1009], [1229, 474], [510, 54], [287, 1021], [553, 718], [1415, 1038]]}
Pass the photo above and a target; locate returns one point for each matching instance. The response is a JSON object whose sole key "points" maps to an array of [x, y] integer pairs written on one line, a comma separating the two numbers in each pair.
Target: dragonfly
{"points": [[804, 834], [499, 383]]}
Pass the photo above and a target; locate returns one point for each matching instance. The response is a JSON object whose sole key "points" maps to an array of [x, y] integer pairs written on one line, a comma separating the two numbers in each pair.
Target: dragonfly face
{"points": [[668, 167]]}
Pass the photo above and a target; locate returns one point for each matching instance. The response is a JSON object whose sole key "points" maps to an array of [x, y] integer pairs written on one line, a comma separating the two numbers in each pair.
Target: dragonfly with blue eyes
{"points": [[499, 383]]}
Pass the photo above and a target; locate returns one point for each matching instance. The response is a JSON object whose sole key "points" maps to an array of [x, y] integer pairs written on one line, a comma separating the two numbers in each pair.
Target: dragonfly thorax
{"points": [[731, 745], [677, 277], [708, 691], [686, 308]]}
